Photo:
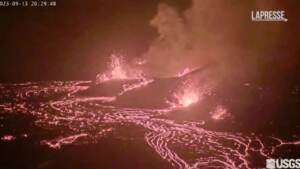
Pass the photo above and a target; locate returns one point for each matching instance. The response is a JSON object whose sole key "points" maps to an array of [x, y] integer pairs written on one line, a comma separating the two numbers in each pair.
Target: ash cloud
{"points": [[212, 32]]}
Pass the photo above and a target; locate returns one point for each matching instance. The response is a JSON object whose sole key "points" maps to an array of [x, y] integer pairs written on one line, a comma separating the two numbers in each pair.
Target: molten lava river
{"points": [[66, 119]]}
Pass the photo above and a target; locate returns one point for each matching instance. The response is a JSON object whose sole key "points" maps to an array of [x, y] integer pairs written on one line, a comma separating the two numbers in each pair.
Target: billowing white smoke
{"points": [[208, 32], [170, 46]]}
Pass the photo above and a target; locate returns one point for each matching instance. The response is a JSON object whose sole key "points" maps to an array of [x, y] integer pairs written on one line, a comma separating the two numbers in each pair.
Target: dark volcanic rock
{"points": [[153, 95], [109, 88]]}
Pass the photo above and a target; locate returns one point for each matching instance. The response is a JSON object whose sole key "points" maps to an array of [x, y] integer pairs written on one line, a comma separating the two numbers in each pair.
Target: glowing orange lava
{"points": [[116, 70], [119, 69], [219, 114], [184, 72], [186, 95], [187, 98]]}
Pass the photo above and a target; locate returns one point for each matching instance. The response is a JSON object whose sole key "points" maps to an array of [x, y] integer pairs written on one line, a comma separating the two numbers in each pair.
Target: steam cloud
{"points": [[209, 31]]}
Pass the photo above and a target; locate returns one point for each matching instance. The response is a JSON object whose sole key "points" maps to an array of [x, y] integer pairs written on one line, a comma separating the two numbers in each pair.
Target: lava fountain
{"points": [[186, 95], [117, 66], [119, 69]]}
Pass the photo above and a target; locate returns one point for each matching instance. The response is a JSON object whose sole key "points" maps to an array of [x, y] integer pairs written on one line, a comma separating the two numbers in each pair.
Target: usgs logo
{"points": [[282, 163]]}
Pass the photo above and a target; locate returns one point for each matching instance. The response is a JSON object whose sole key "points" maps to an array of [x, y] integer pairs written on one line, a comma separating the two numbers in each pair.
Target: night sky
{"points": [[242, 90], [73, 41]]}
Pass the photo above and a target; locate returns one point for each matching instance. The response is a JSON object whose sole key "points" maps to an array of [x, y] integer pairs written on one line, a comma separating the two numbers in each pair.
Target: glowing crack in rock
{"points": [[184, 72], [80, 120], [57, 143], [139, 84], [25, 135], [8, 138], [220, 113]]}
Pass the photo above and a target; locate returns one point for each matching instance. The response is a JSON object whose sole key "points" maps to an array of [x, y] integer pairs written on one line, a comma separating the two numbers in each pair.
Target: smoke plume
{"points": [[211, 32]]}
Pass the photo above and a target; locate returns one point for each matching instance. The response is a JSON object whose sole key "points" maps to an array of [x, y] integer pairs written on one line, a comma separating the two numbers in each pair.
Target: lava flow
{"points": [[55, 106]]}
